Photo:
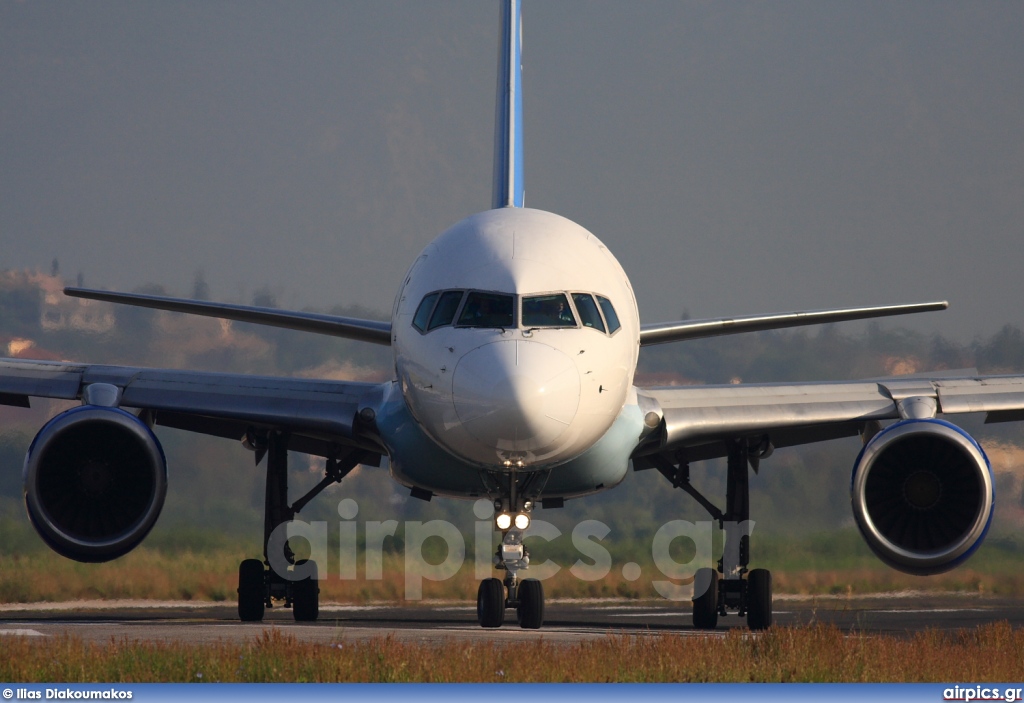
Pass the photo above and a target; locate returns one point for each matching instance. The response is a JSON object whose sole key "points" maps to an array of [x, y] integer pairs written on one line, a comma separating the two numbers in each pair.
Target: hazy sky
{"points": [[736, 157]]}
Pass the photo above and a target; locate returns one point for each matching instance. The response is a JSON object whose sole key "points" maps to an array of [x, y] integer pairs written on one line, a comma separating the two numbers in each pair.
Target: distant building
{"points": [[58, 311], [21, 348]]}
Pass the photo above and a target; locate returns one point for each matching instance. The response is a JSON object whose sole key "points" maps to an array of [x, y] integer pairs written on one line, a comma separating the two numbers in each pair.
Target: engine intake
{"points": [[923, 495], [95, 481]]}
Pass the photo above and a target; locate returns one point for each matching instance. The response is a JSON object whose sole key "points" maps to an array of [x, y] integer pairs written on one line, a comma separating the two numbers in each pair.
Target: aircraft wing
{"points": [[696, 421], [371, 331], [662, 332], [320, 416]]}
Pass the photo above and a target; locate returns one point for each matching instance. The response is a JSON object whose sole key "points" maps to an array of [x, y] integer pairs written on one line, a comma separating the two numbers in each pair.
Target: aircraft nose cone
{"points": [[516, 395]]}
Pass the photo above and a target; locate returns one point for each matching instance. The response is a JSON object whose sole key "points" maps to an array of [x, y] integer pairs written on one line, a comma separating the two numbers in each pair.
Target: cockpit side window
{"points": [[547, 311], [487, 310], [587, 309], [609, 314], [444, 313], [419, 320]]}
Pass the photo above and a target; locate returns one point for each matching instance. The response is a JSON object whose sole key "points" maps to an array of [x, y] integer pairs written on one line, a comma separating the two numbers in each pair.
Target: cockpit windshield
{"points": [[609, 314], [498, 310], [588, 311], [419, 320], [487, 310], [444, 313], [547, 311]]}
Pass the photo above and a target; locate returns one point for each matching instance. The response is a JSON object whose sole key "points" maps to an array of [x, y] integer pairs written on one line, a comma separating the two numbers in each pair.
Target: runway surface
{"points": [[565, 621]]}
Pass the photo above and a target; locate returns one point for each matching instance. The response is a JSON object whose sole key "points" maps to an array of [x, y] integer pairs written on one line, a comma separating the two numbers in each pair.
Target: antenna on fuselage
{"points": [[508, 119]]}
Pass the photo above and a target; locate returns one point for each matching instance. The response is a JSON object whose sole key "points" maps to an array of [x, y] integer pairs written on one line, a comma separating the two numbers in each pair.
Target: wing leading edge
{"points": [[663, 332], [372, 331]]}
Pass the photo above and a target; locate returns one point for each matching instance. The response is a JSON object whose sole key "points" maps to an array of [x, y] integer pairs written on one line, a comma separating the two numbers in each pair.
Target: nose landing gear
{"points": [[526, 596]]}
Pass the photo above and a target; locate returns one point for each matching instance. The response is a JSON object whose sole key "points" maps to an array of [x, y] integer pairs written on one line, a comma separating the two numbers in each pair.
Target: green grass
{"points": [[819, 653], [196, 567]]}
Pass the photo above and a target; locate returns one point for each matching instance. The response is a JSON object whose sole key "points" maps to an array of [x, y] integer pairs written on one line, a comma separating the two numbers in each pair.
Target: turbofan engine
{"points": [[923, 495], [95, 481]]}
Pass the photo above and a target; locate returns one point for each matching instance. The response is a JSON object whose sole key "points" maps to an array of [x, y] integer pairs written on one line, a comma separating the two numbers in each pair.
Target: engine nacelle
{"points": [[923, 495], [95, 481]]}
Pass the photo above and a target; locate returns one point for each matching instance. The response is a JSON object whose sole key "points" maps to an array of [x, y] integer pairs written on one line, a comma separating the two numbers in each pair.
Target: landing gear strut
{"points": [[258, 584], [731, 586]]}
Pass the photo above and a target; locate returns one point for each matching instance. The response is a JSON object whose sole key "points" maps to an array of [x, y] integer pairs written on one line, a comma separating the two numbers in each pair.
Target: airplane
{"points": [[515, 336]]}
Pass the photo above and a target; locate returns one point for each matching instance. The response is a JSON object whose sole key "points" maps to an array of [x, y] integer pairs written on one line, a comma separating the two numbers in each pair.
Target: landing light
{"points": [[522, 521], [504, 521]]}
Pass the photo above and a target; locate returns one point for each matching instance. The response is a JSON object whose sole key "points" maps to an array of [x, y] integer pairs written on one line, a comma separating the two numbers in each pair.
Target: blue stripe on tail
{"points": [[508, 123]]}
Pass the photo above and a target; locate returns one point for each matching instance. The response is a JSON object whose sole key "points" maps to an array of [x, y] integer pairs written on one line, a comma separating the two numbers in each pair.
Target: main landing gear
{"points": [[259, 584], [730, 586], [526, 596]]}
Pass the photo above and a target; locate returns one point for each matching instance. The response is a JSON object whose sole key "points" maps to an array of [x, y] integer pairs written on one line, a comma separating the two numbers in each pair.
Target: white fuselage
{"points": [[518, 370]]}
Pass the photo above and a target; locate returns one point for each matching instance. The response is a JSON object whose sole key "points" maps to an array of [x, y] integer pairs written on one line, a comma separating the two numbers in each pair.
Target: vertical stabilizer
{"points": [[508, 123]]}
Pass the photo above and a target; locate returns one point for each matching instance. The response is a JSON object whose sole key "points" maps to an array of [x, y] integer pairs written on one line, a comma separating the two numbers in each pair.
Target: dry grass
{"points": [[213, 576], [820, 653], [143, 574], [883, 580]]}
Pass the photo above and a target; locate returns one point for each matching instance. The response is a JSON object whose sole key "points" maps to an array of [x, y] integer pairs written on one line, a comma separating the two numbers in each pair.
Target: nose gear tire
{"points": [[490, 603], [531, 604]]}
